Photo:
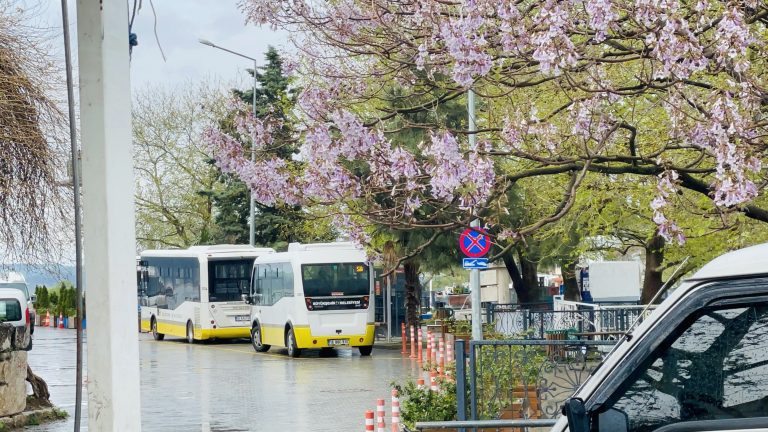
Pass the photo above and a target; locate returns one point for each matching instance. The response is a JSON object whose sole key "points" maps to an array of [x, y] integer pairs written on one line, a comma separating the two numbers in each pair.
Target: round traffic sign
{"points": [[474, 243]]}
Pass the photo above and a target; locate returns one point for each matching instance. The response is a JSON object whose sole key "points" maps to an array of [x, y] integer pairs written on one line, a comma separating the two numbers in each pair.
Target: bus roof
{"points": [[318, 253], [217, 251]]}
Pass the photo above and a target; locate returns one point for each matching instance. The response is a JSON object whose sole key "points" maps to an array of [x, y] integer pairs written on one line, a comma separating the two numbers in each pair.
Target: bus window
{"points": [[228, 280], [340, 279]]}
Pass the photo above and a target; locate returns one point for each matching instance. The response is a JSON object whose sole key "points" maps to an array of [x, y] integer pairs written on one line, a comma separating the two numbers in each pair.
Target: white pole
{"points": [[109, 243], [474, 275], [388, 312], [252, 215]]}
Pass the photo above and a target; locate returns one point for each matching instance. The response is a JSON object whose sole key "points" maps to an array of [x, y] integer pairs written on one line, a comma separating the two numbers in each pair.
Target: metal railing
{"points": [[535, 324], [522, 379]]}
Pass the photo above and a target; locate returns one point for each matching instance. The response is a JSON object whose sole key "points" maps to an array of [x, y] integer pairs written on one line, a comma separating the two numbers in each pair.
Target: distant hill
{"points": [[42, 275]]}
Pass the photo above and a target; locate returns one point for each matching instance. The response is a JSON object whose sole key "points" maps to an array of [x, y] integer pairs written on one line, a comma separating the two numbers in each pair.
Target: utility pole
{"points": [[474, 274], [109, 241]]}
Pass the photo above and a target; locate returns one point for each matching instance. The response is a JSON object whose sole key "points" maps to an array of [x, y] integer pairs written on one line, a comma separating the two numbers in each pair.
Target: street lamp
{"points": [[251, 217]]}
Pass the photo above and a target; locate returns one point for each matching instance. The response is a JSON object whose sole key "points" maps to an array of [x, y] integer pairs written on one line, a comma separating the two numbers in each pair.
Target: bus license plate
{"points": [[242, 318], [337, 342]]}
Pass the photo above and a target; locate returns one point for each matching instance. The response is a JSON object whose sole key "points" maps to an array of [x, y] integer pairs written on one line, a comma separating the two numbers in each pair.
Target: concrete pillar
{"points": [[109, 244]]}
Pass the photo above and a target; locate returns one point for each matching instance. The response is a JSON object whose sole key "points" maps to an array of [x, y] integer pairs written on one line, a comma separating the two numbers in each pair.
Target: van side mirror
{"points": [[576, 413]]}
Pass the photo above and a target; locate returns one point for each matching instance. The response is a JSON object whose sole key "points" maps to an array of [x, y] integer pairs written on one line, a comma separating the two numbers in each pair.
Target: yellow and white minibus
{"points": [[196, 293], [313, 296]]}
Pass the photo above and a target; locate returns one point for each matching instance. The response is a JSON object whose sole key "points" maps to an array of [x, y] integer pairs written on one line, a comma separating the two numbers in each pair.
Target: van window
{"points": [[714, 367], [10, 310]]}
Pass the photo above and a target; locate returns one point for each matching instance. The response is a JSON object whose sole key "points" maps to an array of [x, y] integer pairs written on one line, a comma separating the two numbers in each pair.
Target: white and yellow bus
{"points": [[196, 293], [313, 296]]}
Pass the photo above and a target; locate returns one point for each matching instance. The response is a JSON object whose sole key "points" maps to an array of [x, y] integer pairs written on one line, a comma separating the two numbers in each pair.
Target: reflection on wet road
{"points": [[229, 387]]}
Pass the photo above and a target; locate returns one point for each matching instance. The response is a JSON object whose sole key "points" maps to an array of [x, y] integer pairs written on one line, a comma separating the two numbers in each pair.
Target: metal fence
{"points": [[510, 321], [522, 379]]}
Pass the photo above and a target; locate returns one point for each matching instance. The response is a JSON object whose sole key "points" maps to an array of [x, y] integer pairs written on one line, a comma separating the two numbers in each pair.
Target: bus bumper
{"points": [[224, 333], [305, 339]]}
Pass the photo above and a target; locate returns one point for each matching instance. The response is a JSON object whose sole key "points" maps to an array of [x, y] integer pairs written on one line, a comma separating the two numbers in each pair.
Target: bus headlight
{"points": [[365, 302], [308, 301]]}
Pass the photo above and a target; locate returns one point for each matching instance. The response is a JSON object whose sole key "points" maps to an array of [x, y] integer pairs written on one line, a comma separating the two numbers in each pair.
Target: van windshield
{"points": [[10, 310], [16, 285], [336, 279]]}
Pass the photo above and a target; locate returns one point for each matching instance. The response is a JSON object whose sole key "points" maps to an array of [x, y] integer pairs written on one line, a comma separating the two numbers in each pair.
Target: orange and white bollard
{"points": [[369, 421], [413, 342], [403, 336], [395, 412], [48, 319], [434, 349], [433, 381], [418, 346], [441, 354], [381, 426], [420, 383], [429, 345]]}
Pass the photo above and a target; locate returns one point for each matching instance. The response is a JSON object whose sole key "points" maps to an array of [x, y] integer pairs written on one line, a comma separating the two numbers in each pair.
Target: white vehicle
{"points": [[698, 363], [17, 281], [14, 311], [196, 293], [313, 296]]}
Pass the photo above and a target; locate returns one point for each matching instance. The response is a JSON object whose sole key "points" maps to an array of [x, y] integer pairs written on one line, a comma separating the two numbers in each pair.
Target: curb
{"points": [[28, 418]]}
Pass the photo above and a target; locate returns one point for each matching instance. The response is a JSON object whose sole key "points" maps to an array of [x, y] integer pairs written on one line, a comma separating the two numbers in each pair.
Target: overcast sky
{"points": [[180, 23]]}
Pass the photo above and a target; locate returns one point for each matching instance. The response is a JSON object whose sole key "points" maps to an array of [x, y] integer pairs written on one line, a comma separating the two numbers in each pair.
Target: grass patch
{"points": [[33, 420], [59, 413]]}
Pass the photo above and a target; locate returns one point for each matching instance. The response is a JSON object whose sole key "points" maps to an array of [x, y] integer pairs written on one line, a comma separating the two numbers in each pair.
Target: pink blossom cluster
{"points": [[665, 188], [267, 178], [465, 42], [732, 39], [554, 50], [452, 175]]}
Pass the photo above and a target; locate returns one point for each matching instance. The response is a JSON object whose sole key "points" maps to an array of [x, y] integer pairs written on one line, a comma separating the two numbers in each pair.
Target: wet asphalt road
{"points": [[229, 387]]}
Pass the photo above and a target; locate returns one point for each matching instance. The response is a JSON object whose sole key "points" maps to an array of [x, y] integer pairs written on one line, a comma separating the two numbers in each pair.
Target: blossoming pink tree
{"points": [[663, 89]]}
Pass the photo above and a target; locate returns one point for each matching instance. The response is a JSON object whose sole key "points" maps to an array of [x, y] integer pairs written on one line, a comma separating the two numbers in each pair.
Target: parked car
{"points": [[14, 311], [14, 280]]}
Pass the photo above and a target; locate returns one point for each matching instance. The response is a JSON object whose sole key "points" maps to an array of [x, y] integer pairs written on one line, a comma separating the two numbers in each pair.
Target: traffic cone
{"points": [[61, 321]]}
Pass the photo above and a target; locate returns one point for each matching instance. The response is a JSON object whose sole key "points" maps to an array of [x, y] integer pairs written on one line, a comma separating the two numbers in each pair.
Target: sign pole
{"points": [[474, 274], [474, 287]]}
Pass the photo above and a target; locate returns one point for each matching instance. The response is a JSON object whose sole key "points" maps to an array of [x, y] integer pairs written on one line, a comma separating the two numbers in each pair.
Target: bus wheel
{"points": [[256, 339], [190, 333], [365, 350], [290, 343], [157, 336]]}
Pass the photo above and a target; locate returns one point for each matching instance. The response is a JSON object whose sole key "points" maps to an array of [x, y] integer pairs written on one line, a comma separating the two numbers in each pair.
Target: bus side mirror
{"points": [[576, 413], [246, 298], [33, 298]]}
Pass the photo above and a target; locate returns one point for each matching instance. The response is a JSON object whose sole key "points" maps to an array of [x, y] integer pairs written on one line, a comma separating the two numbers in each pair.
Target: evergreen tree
{"points": [[274, 226]]}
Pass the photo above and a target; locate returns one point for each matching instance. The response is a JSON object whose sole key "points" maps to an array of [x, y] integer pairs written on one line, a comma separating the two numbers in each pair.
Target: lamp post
{"points": [[251, 216]]}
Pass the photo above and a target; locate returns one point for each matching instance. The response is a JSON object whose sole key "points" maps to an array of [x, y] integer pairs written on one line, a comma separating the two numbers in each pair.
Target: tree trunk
{"points": [[517, 280], [654, 258], [412, 292], [39, 387], [569, 280], [530, 279]]}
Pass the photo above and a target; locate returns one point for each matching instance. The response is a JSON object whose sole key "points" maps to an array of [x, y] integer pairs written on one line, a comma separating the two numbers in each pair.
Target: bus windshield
{"points": [[337, 279]]}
